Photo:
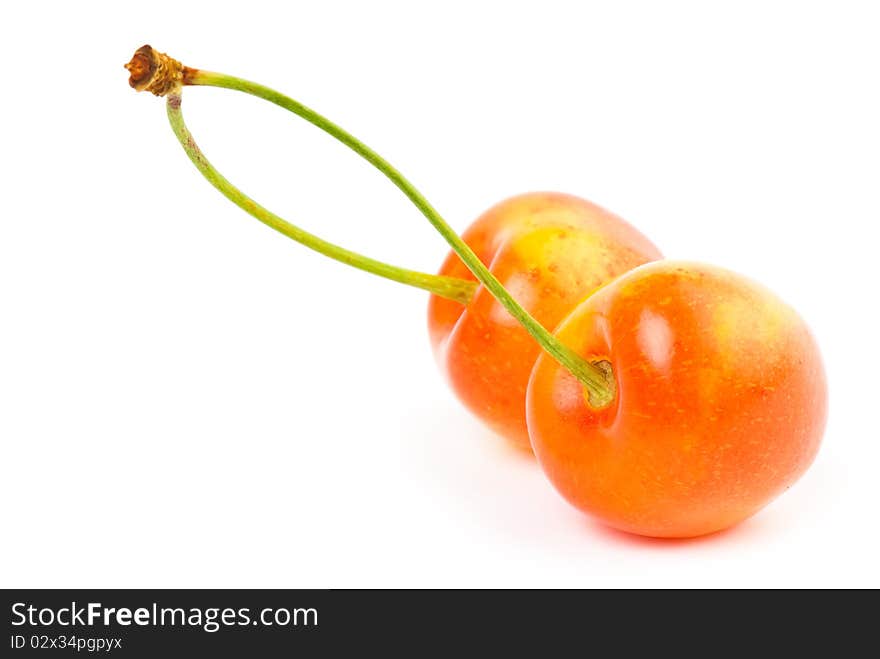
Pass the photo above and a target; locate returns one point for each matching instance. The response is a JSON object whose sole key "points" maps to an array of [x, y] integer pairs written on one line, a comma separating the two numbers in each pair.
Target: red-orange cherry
{"points": [[550, 250], [720, 402]]}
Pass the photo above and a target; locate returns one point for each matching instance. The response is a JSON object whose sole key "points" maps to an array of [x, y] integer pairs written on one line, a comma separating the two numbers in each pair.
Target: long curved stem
{"points": [[453, 288], [597, 379], [164, 76]]}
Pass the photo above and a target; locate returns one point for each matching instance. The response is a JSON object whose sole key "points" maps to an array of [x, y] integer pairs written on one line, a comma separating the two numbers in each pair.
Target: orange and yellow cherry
{"points": [[550, 251], [719, 402]]}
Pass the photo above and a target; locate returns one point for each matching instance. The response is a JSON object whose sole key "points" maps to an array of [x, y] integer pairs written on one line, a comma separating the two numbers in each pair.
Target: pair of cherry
{"points": [[673, 399]]}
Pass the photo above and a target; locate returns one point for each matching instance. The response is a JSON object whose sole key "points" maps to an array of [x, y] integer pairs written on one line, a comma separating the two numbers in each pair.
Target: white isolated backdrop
{"points": [[188, 399]]}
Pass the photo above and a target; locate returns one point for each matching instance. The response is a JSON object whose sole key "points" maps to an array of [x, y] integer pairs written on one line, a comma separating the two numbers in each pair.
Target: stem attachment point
{"points": [[156, 72], [598, 396]]}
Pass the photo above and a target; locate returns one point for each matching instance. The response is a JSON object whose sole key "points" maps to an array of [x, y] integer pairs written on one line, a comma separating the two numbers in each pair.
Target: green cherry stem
{"points": [[162, 75], [452, 288]]}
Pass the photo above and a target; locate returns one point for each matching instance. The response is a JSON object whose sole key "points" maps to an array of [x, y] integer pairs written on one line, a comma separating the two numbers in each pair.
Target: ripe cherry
{"points": [[550, 250], [719, 404]]}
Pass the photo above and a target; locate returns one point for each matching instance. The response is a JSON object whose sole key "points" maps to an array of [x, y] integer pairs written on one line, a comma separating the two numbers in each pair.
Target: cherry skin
{"points": [[550, 250], [720, 402]]}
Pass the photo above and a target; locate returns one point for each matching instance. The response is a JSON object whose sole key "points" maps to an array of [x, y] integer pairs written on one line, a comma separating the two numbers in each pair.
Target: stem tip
{"points": [[155, 72]]}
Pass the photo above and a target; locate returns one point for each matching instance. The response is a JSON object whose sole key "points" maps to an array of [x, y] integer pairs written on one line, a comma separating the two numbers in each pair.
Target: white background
{"points": [[189, 399]]}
